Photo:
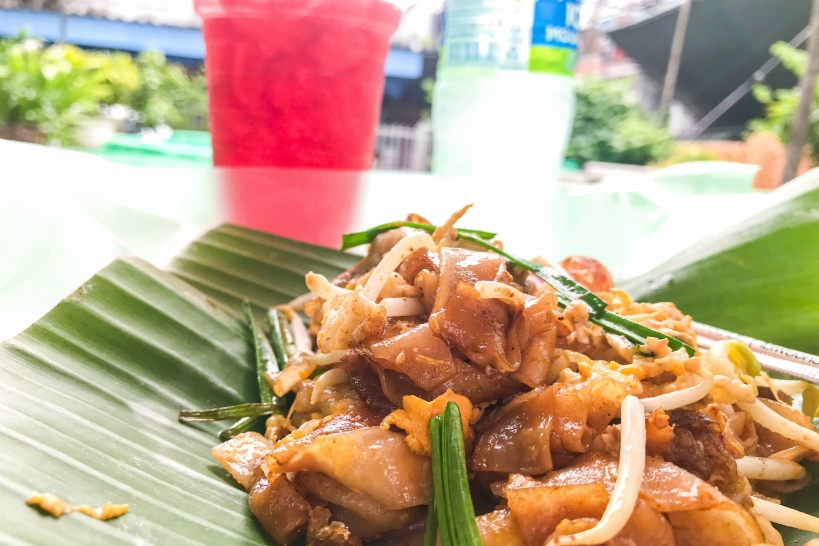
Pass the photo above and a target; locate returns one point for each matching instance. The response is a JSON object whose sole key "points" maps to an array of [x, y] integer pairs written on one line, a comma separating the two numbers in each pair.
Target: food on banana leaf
{"points": [[56, 507], [444, 390]]}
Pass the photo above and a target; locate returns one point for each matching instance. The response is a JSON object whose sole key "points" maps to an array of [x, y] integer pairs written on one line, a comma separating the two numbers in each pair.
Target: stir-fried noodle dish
{"points": [[444, 391]]}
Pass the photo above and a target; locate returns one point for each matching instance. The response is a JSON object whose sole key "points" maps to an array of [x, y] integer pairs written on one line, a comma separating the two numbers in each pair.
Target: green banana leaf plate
{"points": [[760, 278], [89, 395]]}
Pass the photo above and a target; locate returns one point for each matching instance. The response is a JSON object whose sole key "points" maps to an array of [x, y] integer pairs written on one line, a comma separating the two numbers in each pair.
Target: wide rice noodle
{"points": [[327, 379], [629, 478], [498, 290], [391, 261], [682, 397]]}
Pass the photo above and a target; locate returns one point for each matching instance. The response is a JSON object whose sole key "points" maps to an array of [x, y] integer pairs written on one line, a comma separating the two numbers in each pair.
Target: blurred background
{"points": [[653, 135], [124, 79]]}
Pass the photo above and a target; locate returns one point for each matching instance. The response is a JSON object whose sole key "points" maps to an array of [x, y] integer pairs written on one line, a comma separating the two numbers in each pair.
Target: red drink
{"points": [[296, 83], [305, 204]]}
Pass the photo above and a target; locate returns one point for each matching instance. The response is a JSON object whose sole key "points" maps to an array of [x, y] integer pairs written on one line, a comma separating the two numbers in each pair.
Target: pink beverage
{"points": [[316, 206], [296, 83]]}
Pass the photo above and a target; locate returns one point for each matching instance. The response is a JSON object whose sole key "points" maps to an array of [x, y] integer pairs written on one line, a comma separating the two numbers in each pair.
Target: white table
{"points": [[64, 215]]}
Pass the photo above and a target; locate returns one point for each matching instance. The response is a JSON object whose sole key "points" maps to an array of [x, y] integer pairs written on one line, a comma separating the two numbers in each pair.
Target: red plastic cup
{"points": [[306, 204], [296, 83]]}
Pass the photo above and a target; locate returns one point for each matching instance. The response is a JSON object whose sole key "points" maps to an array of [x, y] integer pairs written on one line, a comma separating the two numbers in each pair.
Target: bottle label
{"points": [[533, 35], [554, 36]]}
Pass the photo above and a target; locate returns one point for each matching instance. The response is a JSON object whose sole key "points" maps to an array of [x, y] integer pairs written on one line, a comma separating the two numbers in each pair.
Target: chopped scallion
{"points": [[352, 240], [266, 360], [228, 412], [567, 289], [431, 529], [456, 523], [242, 425], [281, 335]]}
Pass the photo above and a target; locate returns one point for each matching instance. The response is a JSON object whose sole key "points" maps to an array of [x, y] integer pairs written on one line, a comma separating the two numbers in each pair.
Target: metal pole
{"points": [[801, 117], [725, 104], [674, 59]]}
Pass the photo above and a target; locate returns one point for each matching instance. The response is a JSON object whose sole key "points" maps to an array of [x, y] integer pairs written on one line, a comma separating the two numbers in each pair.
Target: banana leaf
{"points": [[90, 393], [760, 278], [232, 264]]}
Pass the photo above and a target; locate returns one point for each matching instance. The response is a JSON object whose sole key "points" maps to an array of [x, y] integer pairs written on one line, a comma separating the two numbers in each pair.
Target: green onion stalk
{"points": [[567, 289], [451, 515]]}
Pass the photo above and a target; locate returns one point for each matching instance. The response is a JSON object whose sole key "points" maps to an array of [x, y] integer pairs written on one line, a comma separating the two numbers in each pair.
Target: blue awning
{"points": [[176, 42]]}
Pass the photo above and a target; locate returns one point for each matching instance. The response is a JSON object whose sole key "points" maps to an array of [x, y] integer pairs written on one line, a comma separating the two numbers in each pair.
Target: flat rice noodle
{"points": [[371, 529], [397, 287], [371, 461], [585, 404], [348, 321], [242, 455], [396, 386], [499, 528], [532, 338], [516, 437], [427, 283], [383, 242], [367, 385], [281, 510], [422, 259], [418, 354], [356, 418], [645, 527], [475, 326], [360, 513], [666, 486], [539, 510], [461, 265], [561, 418], [723, 525], [477, 384], [323, 530], [698, 512]]}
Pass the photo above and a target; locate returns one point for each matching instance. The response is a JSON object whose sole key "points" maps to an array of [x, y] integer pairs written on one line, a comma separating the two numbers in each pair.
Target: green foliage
{"points": [[780, 104], [55, 88], [685, 153], [610, 127], [168, 95]]}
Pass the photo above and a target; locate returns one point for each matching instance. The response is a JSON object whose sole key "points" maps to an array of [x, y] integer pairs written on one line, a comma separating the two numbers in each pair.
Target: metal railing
{"points": [[403, 148]]}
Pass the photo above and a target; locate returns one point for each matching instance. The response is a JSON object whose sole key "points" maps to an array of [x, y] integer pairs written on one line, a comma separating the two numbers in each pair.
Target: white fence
{"points": [[402, 148]]}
